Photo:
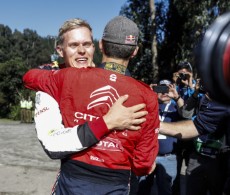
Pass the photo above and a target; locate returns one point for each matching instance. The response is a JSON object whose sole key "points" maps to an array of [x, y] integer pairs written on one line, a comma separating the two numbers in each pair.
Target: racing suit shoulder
{"points": [[53, 132], [147, 147], [82, 136]]}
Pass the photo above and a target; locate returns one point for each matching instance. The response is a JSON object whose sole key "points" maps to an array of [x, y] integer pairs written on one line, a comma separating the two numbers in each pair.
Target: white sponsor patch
{"points": [[96, 158]]}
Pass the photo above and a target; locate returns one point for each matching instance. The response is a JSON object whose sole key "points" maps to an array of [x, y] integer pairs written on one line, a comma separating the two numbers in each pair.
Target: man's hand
{"points": [[120, 117], [172, 91], [175, 77]]}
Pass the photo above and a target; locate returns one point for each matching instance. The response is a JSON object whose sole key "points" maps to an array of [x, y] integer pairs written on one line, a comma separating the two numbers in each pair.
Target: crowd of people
{"points": [[108, 142], [205, 156]]}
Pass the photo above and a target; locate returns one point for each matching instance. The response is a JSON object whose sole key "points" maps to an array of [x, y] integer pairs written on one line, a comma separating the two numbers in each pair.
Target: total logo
{"points": [[109, 144]]}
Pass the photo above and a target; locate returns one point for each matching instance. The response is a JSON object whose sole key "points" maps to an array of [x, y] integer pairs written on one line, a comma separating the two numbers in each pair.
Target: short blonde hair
{"points": [[70, 25]]}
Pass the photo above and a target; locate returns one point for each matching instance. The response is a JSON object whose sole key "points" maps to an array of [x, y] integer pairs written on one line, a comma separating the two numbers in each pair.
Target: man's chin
{"points": [[81, 65]]}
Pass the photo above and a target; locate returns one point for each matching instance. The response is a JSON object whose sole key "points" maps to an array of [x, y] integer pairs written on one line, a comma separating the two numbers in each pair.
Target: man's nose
{"points": [[81, 49]]}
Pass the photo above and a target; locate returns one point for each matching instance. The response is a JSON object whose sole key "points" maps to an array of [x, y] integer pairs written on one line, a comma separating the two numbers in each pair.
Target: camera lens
{"points": [[213, 59], [226, 63], [182, 76]]}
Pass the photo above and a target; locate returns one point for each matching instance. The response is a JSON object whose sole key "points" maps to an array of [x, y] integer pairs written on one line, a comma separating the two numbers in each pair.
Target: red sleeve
{"points": [[147, 148], [42, 80], [98, 127]]}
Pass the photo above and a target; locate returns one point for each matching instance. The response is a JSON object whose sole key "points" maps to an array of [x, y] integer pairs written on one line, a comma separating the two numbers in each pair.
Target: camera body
{"points": [[161, 89], [183, 76]]}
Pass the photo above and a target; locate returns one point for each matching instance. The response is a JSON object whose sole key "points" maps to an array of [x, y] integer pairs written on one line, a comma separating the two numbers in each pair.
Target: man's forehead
{"points": [[81, 34]]}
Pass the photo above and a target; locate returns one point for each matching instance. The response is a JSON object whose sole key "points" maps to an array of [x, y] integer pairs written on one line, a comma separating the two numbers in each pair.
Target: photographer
{"points": [[183, 78], [171, 91], [213, 65]]}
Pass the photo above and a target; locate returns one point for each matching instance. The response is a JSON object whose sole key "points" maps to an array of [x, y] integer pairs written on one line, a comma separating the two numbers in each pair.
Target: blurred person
{"points": [[185, 83], [75, 46], [205, 173], [212, 122], [23, 103], [162, 179], [104, 168], [29, 107], [206, 170]]}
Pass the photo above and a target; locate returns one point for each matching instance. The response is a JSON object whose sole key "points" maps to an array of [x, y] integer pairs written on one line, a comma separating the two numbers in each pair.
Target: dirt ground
{"points": [[24, 167]]}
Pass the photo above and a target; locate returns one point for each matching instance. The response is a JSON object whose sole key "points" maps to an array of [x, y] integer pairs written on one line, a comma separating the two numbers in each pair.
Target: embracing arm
{"points": [[58, 141], [182, 129]]}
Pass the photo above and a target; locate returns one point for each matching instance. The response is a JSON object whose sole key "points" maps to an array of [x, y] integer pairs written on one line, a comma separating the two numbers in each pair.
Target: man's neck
{"points": [[115, 60]]}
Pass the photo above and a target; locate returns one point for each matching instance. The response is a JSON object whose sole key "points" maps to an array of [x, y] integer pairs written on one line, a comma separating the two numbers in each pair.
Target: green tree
{"points": [[11, 85], [185, 25], [97, 58], [174, 27], [35, 52], [179, 27], [5, 43], [141, 66]]}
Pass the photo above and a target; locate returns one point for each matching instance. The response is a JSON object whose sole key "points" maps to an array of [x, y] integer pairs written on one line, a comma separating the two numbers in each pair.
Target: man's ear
{"points": [[59, 50], [135, 52]]}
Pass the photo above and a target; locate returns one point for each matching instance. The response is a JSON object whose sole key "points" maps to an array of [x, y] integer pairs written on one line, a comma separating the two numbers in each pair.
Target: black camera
{"points": [[161, 89], [183, 76]]}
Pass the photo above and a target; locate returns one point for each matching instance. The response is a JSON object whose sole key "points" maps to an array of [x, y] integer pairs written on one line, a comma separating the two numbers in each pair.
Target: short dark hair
{"points": [[117, 50], [184, 65]]}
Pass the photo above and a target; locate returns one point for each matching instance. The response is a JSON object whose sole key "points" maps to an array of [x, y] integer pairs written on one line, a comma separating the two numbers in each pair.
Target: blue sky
{"points": [[46, 16]]}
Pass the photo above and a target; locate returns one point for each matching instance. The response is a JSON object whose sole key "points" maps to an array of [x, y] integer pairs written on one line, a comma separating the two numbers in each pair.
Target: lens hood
{"points": [[213, 59]]}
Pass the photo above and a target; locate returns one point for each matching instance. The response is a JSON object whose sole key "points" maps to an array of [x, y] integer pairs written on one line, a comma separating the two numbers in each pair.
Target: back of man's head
{"points": [[120, 37]]}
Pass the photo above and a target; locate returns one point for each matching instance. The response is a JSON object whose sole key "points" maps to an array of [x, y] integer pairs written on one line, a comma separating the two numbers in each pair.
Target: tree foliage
{"points": [[97, 54], [185, 25], [141, 66], [18, 53], [11, 86], [178, 27]]}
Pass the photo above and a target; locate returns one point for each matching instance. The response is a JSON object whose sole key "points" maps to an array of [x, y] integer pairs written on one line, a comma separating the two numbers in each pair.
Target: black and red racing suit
{"points": [[82, 100]]}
